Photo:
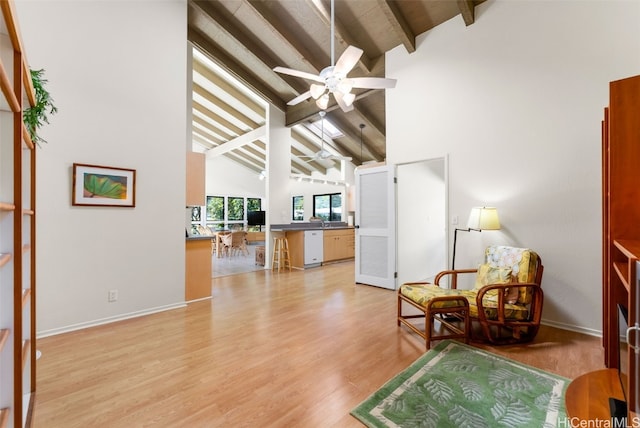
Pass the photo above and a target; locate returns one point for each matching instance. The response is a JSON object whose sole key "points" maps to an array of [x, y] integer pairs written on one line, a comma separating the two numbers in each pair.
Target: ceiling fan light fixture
{"points": [[323, 102], [317, 90], [349, 98], [345, 86]]}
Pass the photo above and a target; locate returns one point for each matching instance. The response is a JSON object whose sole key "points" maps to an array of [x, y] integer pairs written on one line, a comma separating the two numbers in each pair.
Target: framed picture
{"points": [[105, 186]]}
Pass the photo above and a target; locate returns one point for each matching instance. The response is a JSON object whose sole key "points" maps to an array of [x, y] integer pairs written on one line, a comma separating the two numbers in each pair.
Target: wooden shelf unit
{"points": [[620, 220], [17, 229]]}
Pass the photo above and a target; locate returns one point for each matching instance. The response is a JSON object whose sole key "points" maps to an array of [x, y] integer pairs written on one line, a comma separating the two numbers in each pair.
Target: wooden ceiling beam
{"points": [[467, 10], [247, 123], [341, 33], [237, 142], [230, 89], [233, 67], [290, 42], [253, 149], [302, 166], [307, 110], [399, 24], [347, 130], [217, 134], [233, 39], [217, 119]]}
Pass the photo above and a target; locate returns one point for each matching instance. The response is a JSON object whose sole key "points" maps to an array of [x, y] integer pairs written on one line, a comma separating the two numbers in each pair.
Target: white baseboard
{"points": [[108, 320], [571, 327]]}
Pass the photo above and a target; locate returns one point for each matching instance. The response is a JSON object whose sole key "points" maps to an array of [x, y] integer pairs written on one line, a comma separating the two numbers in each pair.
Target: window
{"points": [[254, 204], [215, 212], [236, 209], [196, 219], [328, 207], [224, 212], [298, 208]]}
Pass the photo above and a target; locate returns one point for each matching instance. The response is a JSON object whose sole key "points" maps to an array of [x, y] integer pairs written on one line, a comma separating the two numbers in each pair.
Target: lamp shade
{"points": [[483, 218], [316, 90], [323, 101]]}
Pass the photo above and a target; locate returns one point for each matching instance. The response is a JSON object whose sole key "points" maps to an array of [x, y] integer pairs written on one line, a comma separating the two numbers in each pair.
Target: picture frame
{"points": [[105, 186]]}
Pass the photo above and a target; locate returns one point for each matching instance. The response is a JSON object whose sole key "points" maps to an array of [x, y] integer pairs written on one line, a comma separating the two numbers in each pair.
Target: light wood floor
{"points": [[297, 349]]}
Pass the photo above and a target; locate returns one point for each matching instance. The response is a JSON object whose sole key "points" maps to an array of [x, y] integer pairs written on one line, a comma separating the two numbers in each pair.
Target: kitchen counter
{"points": [[311, 244], [198, 237], [290, 227]]}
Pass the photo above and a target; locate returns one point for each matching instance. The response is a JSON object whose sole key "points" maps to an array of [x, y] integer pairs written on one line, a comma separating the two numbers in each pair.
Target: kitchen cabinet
{"points": [[197, 268], [339, 244], [255, 236], [309, 247], [196, 170]]}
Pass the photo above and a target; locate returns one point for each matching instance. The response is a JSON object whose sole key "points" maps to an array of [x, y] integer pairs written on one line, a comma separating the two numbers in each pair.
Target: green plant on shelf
{"points": [[36, 116]]}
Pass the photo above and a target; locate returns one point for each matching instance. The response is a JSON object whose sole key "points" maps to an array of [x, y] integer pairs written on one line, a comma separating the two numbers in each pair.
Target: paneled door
{"points": [[375, 223]]}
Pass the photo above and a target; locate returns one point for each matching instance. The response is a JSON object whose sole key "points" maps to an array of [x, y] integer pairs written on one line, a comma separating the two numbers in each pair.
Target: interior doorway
{"points": [[421, 219]]}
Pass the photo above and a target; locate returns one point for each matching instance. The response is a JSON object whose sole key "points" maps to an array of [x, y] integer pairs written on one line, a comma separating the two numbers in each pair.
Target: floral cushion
{"points": [[422, 293], [523, 263]]}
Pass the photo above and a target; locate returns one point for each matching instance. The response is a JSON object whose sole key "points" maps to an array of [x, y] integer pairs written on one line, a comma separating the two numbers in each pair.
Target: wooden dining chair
{"points": [[235, 242]]}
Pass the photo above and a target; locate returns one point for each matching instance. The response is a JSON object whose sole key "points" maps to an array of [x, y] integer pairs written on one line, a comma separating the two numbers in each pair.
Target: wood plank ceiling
{"points": [[239, 42]]}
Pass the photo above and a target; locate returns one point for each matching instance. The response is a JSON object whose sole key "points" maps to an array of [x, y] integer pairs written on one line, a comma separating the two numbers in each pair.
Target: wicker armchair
{"points": [[506, 300]]}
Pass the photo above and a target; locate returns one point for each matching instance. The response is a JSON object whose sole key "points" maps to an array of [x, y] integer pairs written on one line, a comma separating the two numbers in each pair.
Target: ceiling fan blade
{"points": [[299, 98], [340, 100], [345, 158], [373, 82], [298, 73], [348, 59]]}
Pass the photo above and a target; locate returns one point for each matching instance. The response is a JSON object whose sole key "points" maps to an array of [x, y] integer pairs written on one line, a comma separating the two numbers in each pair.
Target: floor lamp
{"points": [[480, 218]]}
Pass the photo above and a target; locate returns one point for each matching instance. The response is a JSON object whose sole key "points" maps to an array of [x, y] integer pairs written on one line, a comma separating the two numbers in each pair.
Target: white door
{"points": [[375, 224]]}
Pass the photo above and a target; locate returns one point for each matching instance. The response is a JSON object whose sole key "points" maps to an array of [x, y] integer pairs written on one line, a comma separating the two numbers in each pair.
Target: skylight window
{"points": [[329, 128]]}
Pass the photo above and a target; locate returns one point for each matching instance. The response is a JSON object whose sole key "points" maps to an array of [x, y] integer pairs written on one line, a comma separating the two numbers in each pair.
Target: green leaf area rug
{"points": [[456, 385]]}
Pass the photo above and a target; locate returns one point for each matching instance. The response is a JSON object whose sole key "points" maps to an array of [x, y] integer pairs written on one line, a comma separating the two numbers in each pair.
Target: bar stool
{"points": [[280, 254]]}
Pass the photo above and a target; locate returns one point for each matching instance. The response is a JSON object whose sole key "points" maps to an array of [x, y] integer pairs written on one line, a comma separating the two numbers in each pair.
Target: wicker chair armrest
{"points": [[536, 300], [454, 276]]}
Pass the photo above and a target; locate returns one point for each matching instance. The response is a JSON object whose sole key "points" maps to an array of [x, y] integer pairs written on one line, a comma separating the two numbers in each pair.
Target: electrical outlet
{"points": [[454, 220], [113, 295]]}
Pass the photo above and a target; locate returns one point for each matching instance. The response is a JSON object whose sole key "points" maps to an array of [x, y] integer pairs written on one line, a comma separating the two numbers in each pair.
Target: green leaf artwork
{"points": [[105, 186]]}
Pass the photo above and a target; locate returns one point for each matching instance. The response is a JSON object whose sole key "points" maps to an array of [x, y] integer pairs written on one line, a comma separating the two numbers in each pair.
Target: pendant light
{"points": [[361, 128]]}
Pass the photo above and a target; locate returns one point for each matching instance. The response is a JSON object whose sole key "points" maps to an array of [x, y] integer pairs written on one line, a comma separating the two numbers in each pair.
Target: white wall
{"points": [[121, 95], [516, 100], [227, 178]]}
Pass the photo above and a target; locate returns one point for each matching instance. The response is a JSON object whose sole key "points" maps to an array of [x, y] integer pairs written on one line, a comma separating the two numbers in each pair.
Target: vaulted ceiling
{"points": [[241, 41]]}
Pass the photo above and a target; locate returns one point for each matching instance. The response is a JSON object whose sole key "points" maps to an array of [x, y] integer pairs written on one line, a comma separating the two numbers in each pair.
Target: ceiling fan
{"points": [[333, 79], [324, 154]]}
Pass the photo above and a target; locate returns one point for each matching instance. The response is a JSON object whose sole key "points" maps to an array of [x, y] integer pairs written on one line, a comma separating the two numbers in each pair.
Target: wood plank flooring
{"points": [[288, 349]]}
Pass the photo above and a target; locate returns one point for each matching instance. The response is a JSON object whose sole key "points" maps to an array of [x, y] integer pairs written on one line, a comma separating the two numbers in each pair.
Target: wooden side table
{"points": [[587, 397]]}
